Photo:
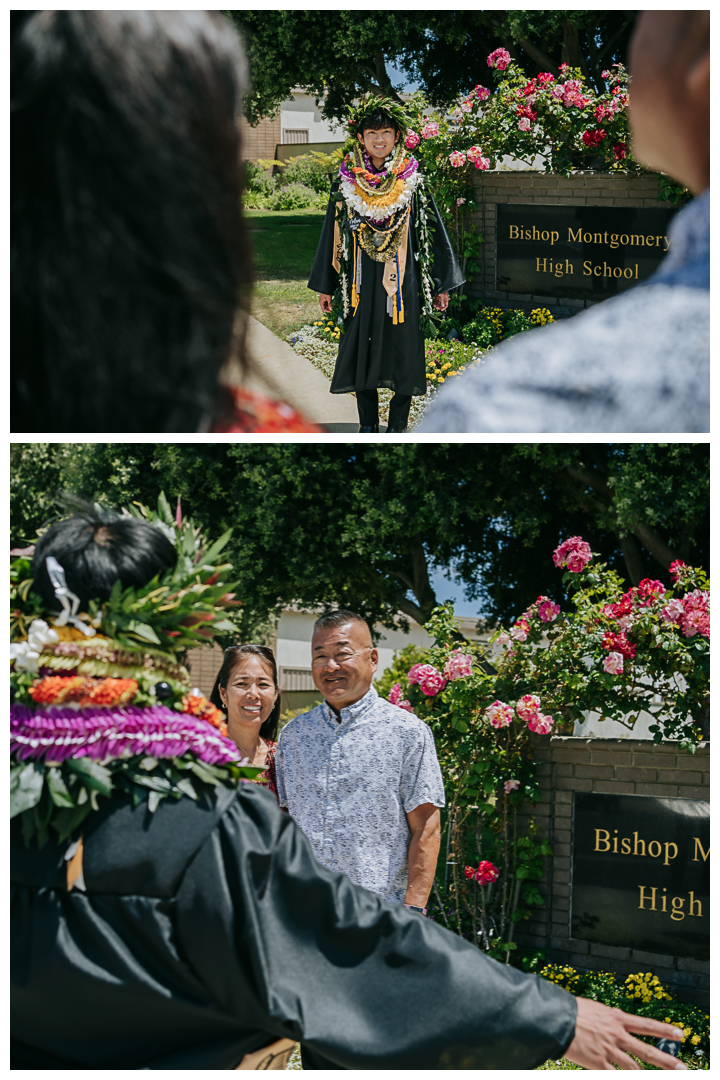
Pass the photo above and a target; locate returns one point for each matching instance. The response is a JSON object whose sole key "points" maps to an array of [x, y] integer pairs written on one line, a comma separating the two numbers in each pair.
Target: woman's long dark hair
{"points": [[130, 261], [232, 657]]}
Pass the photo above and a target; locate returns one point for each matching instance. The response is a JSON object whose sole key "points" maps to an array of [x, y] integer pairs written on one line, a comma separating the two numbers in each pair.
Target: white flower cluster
{"points": [[26, 654]]}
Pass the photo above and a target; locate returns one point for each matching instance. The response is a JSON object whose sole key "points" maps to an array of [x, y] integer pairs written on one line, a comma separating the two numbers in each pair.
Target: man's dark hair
{"points": [[130, 260], [232, 656], [338, 618], [377, 120], [96, 549]]}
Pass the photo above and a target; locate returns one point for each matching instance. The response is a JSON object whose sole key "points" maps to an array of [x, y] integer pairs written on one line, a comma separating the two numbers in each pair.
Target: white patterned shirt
{"points": [[349, 786]]}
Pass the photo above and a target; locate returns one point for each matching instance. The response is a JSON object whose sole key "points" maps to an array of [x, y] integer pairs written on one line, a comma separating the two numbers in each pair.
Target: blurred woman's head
{"points": [[129, 255], [247, 687]]}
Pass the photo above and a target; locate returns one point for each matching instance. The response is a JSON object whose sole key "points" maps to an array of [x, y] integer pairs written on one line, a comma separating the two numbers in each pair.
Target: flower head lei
{"points": [[100, 699]]}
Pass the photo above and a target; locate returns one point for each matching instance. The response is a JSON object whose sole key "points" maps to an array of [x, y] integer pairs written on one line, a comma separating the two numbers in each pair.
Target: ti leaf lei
{"points": [[60, 797]]}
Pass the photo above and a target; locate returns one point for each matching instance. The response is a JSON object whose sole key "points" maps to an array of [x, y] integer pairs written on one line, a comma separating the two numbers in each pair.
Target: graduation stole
{"points": [[386, 245]]}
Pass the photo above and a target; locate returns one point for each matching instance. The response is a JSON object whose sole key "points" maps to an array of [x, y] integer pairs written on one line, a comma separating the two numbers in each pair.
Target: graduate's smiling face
{"points": [[379, 142]]}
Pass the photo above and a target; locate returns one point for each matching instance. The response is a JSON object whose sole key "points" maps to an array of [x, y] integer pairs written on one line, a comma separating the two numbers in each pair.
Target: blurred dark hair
{"points": [[377, 120], [339, 617], [232, 657], [96, 549], [129, 258]]}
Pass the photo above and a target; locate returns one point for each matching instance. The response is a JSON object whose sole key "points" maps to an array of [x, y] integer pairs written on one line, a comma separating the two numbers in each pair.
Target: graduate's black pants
{"points": [[367, 403]]}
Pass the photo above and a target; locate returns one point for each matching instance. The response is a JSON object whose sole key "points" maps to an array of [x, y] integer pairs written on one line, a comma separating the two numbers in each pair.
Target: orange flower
{"points": [[57, 689]]}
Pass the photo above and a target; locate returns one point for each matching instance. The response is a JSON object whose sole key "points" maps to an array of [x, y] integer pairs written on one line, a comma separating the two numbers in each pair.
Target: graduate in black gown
{"points": [[380, 218], [202, 934]]}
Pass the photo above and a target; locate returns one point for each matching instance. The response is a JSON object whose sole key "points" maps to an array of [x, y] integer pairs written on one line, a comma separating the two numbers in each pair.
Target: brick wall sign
{"points": [[641, 873], [584, 252]]}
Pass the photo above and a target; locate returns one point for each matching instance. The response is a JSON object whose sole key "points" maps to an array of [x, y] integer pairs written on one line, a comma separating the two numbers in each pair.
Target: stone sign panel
{"points": [[580, 252], [641, 873]]}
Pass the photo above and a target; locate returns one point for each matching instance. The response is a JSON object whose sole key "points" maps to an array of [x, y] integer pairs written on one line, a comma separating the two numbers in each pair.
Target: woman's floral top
{"points": [[253, 411]]}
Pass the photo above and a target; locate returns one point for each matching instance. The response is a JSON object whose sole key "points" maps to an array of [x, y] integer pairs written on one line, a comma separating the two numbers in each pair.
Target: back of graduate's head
{"points": [[129, 255]]}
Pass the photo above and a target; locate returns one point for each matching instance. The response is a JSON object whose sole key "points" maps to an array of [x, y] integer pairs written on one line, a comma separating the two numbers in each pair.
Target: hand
{"points": [[441, 301], [603, 1040], [325, 302]]}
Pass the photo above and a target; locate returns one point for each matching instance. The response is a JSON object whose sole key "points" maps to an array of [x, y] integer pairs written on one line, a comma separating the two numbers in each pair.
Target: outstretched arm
{"points": [[602, 1039]]}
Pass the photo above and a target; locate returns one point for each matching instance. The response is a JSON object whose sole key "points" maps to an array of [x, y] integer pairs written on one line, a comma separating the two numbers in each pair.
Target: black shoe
{"points": [[369, 430], [396, 430]]}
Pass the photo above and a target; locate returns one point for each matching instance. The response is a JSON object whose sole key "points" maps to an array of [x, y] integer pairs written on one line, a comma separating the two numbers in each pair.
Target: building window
{"points": [[296, 135], [296, 679]]}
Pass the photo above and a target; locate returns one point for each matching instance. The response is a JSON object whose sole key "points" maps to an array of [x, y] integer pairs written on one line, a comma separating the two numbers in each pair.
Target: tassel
{"points": [[401, 317], [395, 314], [355, 298]]}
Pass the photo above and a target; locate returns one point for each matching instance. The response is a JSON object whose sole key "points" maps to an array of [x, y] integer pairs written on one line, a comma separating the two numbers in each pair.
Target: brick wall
{"points": [[579, 189], [624, 767]]}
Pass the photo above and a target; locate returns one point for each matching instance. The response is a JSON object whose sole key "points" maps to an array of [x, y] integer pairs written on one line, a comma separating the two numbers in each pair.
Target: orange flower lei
{"points": [[58, 689], [204, 710]]}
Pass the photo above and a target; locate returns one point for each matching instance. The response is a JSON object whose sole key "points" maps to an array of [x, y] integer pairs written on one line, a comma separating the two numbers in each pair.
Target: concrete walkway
{"points": [[281, 372]]}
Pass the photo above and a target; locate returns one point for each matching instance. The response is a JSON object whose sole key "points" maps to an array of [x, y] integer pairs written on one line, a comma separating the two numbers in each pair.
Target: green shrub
{"points": [[257, 181], [307, 170], [292, 197]]}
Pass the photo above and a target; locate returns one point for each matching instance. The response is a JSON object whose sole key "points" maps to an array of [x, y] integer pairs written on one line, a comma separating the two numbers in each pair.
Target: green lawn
{"points": [[284, 244]]}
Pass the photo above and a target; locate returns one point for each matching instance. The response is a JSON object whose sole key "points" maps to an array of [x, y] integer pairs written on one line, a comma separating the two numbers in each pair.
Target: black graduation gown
{"points": [[372, 351], [208, 931]]}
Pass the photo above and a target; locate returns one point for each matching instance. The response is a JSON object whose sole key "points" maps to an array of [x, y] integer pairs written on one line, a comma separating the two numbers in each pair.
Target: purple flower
{"points": [[54, 734]]}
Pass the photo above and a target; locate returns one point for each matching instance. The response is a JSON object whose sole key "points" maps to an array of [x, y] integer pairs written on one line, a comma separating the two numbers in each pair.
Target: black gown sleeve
{"points": [[446, 272], [297, 951], [323, 278]]}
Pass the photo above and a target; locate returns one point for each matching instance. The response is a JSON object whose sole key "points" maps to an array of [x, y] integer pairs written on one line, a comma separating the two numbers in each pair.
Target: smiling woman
{"points": [[247, 688]]}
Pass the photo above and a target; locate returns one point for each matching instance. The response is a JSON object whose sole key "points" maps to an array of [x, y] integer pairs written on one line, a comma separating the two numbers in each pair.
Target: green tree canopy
{"points": [[338, 55], [365, 525]]}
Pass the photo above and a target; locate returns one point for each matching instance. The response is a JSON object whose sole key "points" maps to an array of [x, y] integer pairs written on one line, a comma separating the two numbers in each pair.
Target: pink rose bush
{"points": [[397, 697], [430, 130], [412, 139], [474, 155]]}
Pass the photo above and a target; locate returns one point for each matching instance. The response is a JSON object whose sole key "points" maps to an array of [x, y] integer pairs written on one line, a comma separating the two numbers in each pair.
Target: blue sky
{"points": [[445, 589], [398, 78]]}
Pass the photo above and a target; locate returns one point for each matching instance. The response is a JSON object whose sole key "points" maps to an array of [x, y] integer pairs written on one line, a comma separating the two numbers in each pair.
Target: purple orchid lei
{"points": [[54, 734]]}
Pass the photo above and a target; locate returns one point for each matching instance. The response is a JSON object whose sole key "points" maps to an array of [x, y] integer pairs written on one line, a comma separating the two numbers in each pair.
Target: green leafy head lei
{"points": [[373, 103], [101, 701]]}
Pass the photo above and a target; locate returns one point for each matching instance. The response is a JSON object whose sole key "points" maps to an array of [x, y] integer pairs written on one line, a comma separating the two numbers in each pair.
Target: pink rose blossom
{"points": [[486, 873], [614, 663], [677, 569], [524, 124], [459, 666], [432, 683], [620, 151], [466, 106], [482, 93], [528, 706], [520, 630], [619, 643], [649, 590], [673, 611], [503, 639], [406, 706], [626, 622], [574, 553], [557, 92], [547, 610], [511, 785], [396, 694], [541, 725], [430, 129], [461, 202], [457, 159], [499, 59], [605, 74], [696, 617], [545, 78], [418, 672], [499, 714], [412, 139]]}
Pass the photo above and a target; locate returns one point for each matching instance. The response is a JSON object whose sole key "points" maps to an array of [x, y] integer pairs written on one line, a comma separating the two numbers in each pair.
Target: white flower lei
{"points": [[356, 201]]}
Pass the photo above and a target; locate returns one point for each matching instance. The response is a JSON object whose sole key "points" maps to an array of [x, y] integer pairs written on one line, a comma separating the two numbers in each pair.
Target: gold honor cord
{"points": [[274, 1056]]}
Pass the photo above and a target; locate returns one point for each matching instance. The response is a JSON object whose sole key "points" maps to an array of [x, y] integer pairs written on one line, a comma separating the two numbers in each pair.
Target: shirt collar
{"points": [[351, 712], [688, 260]]}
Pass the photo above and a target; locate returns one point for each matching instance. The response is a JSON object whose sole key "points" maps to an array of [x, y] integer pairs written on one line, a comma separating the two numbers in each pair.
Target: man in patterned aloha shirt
{"points": [[360, 776]]}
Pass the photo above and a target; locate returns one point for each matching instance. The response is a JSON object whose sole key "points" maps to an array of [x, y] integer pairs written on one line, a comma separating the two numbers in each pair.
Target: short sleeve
{"points": [[280, 773], [421, 780]]}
